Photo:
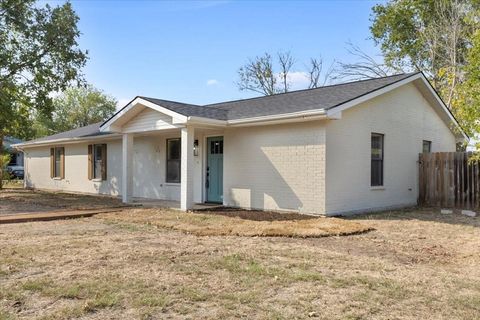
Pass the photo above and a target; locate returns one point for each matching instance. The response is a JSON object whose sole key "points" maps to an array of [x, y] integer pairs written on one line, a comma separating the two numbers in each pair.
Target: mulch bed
{"points": [[257, 215]]}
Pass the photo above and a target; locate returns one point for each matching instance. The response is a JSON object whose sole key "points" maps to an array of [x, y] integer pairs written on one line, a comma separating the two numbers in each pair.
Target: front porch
{"points": [[165, 157]]}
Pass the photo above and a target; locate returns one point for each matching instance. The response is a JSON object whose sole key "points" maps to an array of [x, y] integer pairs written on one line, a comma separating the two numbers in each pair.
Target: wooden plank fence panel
{"points": [[449, 179]]}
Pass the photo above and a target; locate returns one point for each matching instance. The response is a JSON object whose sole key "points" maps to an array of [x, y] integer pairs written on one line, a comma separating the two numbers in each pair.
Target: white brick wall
{"points": [[149, 169], [37, 168], [405, 118], [276, 167]]}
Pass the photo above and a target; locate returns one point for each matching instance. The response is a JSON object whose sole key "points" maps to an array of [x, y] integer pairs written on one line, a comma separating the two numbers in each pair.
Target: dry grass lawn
{"points": [[19, 200], [416, 264]]}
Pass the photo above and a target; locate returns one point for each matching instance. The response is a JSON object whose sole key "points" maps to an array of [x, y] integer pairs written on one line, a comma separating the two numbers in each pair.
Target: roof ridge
{"points": [[190, 104], [211, 105], [166, 100]]}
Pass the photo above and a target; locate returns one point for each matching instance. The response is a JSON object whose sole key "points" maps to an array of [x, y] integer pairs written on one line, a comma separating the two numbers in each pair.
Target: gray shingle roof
{"points": [[326, 97], [82, 132], [190, 109]]}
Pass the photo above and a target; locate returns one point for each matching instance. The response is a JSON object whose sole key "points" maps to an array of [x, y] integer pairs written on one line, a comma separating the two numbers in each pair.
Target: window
{"points": [[427, 146], [173, 160], [97, 161], [216, 147], [57, 162], [376, 174]]}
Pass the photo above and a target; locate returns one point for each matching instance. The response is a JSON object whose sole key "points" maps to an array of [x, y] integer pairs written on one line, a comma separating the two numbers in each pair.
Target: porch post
{"points": [[127, 164], [186, 194]]}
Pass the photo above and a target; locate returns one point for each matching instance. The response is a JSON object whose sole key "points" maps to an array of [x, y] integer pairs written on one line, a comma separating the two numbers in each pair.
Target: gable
{"points": [[404, 115], [147, 120]]}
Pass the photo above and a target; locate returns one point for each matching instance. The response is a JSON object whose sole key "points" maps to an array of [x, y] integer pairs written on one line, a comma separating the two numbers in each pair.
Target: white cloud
{"points": [[122, 102], [212, 82], [297, 80]]}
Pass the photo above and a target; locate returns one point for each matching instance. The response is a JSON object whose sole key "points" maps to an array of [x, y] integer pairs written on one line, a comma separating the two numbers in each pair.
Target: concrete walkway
{"points": [[53, 215]]}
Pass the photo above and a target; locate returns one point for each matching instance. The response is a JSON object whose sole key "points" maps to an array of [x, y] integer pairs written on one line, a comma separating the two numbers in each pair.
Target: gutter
{"points": [[21, 146], [316, 114]]}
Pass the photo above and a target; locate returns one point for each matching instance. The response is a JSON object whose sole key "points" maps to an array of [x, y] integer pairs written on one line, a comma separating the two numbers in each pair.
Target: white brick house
{"points": [[337, 149]]}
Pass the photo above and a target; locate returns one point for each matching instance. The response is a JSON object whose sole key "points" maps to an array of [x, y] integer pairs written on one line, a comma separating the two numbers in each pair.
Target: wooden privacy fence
{"points": [[449, 179]]}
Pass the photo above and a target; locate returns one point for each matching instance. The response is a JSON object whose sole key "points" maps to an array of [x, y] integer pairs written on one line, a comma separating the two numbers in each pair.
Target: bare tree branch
{"points": [[286, 62], [366, 67], [258, 76], [314, 72], [262, 75]]}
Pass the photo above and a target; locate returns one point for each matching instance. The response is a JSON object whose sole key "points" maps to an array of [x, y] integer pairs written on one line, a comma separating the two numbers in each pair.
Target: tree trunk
{"points": [[1, 160]]}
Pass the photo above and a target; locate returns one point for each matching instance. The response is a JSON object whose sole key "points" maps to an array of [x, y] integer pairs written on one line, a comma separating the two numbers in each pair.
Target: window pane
{"points": [[427, 146], [58, 153], [216, 147], [173, 160], [97, 169], [173, 149], [98, 152], [97, 161], [376, 170], [57, 168], [377, 173], [377, 147], [173, 171]]}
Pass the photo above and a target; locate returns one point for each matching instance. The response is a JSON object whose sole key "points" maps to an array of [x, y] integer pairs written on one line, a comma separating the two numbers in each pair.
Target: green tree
{"points": [[429, 35], [441, 38], [4, 160], [39, 55], [76, 107], [467, 99]]}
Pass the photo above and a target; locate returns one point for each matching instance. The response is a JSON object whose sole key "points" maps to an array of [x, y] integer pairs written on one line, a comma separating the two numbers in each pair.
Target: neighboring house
{"points": [[337, 149], [15, 166]]}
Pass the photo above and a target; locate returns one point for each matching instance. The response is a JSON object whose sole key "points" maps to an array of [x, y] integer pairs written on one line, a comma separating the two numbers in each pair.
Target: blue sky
{"points": [[190, 51]]}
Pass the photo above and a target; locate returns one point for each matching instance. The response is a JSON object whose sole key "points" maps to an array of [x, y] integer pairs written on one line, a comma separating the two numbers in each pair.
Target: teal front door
{"points": [[214, 181]]}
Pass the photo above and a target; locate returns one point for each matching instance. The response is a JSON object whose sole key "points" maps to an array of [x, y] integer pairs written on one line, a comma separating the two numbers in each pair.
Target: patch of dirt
{"points": [[257, 215], [205, 224]]}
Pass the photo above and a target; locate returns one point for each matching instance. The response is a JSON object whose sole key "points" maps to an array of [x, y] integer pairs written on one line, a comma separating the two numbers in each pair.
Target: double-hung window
{"points": [[426, 146], [97, 161], [173, 160], [376, 174], [57, 162]]}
